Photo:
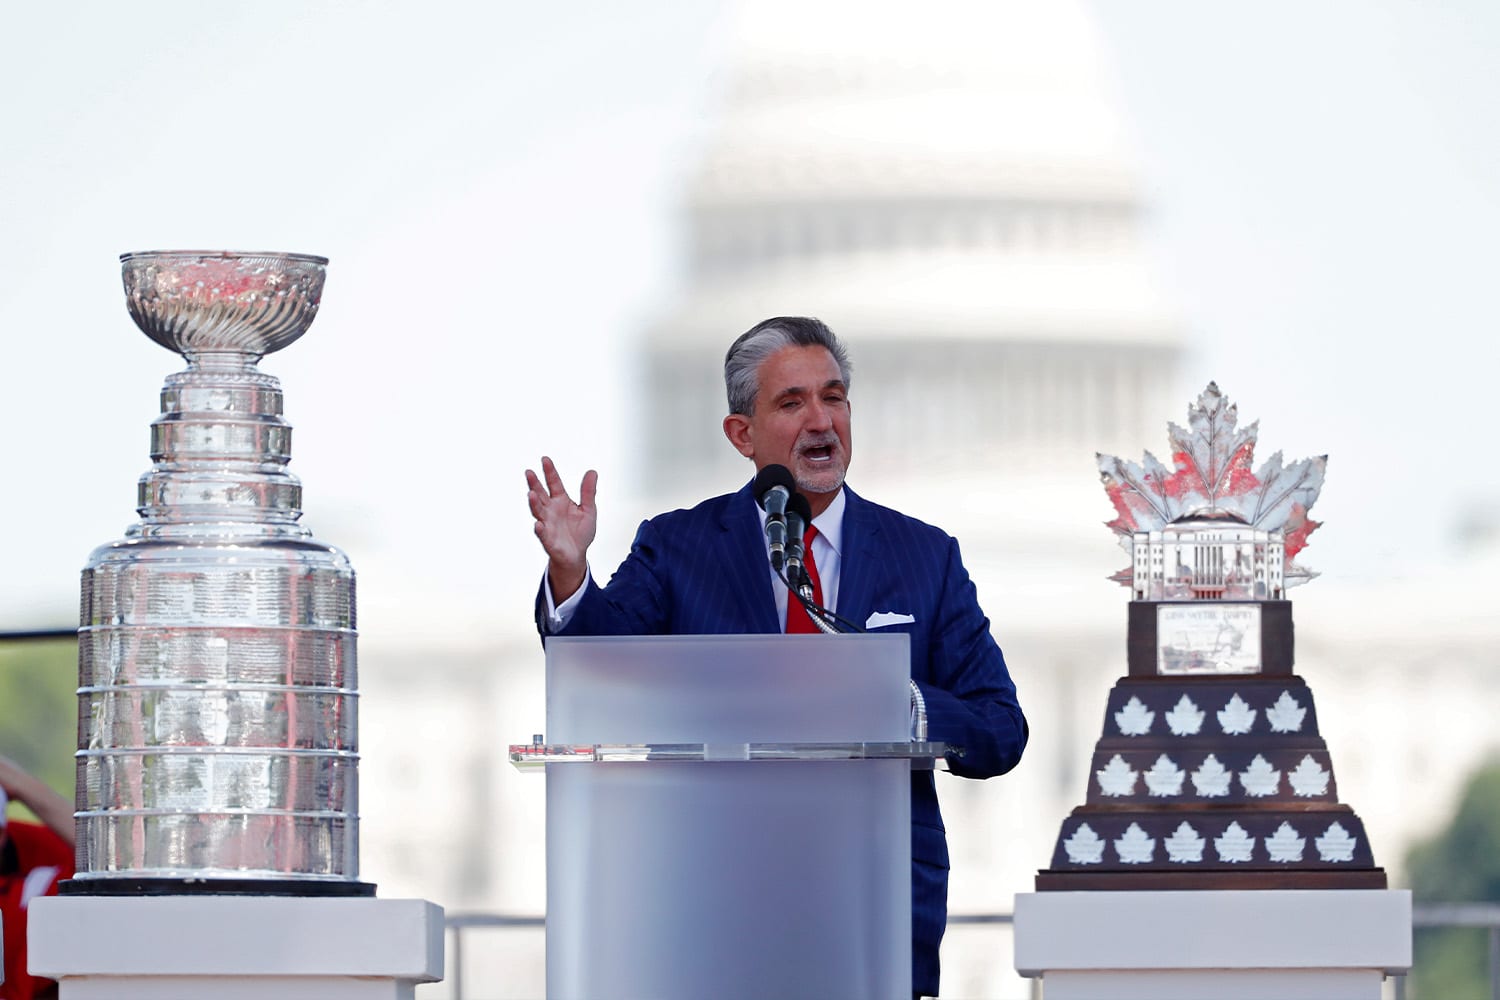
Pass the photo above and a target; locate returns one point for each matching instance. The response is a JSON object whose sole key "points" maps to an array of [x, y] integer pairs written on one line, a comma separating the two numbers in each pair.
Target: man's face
{"points": [[801, 421]]}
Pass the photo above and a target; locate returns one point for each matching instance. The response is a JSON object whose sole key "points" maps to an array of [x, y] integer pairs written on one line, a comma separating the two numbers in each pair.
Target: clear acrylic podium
{"points": [[728, 816]]}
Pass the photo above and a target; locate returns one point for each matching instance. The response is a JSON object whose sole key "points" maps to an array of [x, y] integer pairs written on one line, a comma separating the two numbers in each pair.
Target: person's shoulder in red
{"points": [[38, 847], [33, 859]]}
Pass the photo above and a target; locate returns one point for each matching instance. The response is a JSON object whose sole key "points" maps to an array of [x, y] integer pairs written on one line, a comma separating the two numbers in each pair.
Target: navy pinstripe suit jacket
{"points": [[703, 572]]}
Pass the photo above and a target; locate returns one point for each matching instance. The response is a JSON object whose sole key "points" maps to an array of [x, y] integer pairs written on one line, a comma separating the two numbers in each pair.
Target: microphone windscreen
{"points": [[771, 477]]}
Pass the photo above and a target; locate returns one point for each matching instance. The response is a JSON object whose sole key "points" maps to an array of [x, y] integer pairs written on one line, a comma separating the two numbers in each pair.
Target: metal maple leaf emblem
{"points": [[1211, 474]]}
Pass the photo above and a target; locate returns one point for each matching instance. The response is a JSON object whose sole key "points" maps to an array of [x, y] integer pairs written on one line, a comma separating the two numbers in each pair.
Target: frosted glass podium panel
{"points": [[729, 877]]}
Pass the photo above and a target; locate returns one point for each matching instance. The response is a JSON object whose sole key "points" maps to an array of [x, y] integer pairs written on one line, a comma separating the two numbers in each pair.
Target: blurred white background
{"points": [[496, 187], [501, 190]]}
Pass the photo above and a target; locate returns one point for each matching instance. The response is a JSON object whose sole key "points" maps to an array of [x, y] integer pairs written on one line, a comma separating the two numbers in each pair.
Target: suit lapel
{"points": [[742, 545], [859, 558]]}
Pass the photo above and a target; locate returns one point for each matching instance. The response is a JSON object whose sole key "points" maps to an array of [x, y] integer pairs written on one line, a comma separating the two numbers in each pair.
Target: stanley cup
{"points": [[217, 738]]}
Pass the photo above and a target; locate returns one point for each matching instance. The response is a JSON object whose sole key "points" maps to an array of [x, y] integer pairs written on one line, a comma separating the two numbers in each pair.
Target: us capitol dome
{"points": [[953, 196]]}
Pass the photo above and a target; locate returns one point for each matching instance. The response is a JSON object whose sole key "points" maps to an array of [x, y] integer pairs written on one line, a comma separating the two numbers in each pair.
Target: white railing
{"points": [[460, 925], [1485, 916], [1448, 915]]}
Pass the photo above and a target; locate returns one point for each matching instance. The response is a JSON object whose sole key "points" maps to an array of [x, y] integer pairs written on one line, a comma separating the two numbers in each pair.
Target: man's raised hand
{"points": [[565, 529]]}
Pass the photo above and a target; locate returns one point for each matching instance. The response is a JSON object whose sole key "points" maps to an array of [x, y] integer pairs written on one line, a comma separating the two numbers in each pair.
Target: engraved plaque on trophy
{"points": [[1217, 638], [217, 736], [1211, 772]]}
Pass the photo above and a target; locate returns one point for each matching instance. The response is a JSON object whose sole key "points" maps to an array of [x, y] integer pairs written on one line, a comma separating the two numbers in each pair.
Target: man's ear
{"points": [[737, 430]]}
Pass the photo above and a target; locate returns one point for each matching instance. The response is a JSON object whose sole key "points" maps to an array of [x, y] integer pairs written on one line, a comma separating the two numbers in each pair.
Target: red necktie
{"points": [[797, 620]]}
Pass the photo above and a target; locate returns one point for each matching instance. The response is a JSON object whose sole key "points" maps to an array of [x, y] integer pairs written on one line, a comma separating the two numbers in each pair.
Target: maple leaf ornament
{"points": [[1134, 847], [1117, 778], [1286, 715], [1284, 845], [1164, 778], [1184, 846], [1212, 779], [1308, 780], [1186, 718], [1336, 844], [1085, 847], [1235, 845], [1211, 476]]}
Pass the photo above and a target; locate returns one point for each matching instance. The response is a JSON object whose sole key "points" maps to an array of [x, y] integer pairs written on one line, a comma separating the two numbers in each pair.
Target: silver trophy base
{"points": [[210, 887]]}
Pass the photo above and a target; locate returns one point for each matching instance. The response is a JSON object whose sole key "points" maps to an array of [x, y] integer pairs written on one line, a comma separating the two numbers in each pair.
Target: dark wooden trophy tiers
{"points": [[1211, 780]]}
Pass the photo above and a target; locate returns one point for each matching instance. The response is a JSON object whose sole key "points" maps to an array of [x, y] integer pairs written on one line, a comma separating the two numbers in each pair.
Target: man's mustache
{"points": [[825, 440]]}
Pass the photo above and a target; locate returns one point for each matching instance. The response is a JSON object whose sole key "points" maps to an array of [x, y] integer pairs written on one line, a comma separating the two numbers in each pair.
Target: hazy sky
{"points": [[495, 185], [1326, 184]]}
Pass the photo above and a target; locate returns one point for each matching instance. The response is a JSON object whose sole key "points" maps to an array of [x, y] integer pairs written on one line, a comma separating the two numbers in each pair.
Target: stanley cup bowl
{"points": [[198, 302], [217, 724]]}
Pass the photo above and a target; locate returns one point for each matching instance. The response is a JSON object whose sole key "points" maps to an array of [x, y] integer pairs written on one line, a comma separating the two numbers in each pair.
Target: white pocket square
{"points": [[881, 619]]}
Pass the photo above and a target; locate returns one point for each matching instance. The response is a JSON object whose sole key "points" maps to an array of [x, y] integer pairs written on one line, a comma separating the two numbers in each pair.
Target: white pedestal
{"points": [[235, 947], [1313, 944]]}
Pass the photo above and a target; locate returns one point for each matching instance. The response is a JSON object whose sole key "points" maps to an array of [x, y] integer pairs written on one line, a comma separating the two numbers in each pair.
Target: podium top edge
{"points": [[531, 755]]}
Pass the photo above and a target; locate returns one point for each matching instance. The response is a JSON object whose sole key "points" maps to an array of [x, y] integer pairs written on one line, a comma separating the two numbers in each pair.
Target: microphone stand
{"points": [[798, 583], [826, 621]]}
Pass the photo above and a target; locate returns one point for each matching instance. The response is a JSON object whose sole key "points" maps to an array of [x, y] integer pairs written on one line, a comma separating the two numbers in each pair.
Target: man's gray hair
{"points": [[751, 349]]}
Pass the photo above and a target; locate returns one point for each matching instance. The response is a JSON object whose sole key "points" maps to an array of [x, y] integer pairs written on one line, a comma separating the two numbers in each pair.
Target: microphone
{"points": [[798, 517], [773, 487]]}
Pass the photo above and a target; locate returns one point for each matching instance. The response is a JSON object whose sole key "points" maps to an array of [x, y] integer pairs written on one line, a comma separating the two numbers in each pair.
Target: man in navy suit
{"points": [[705, 571]]}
